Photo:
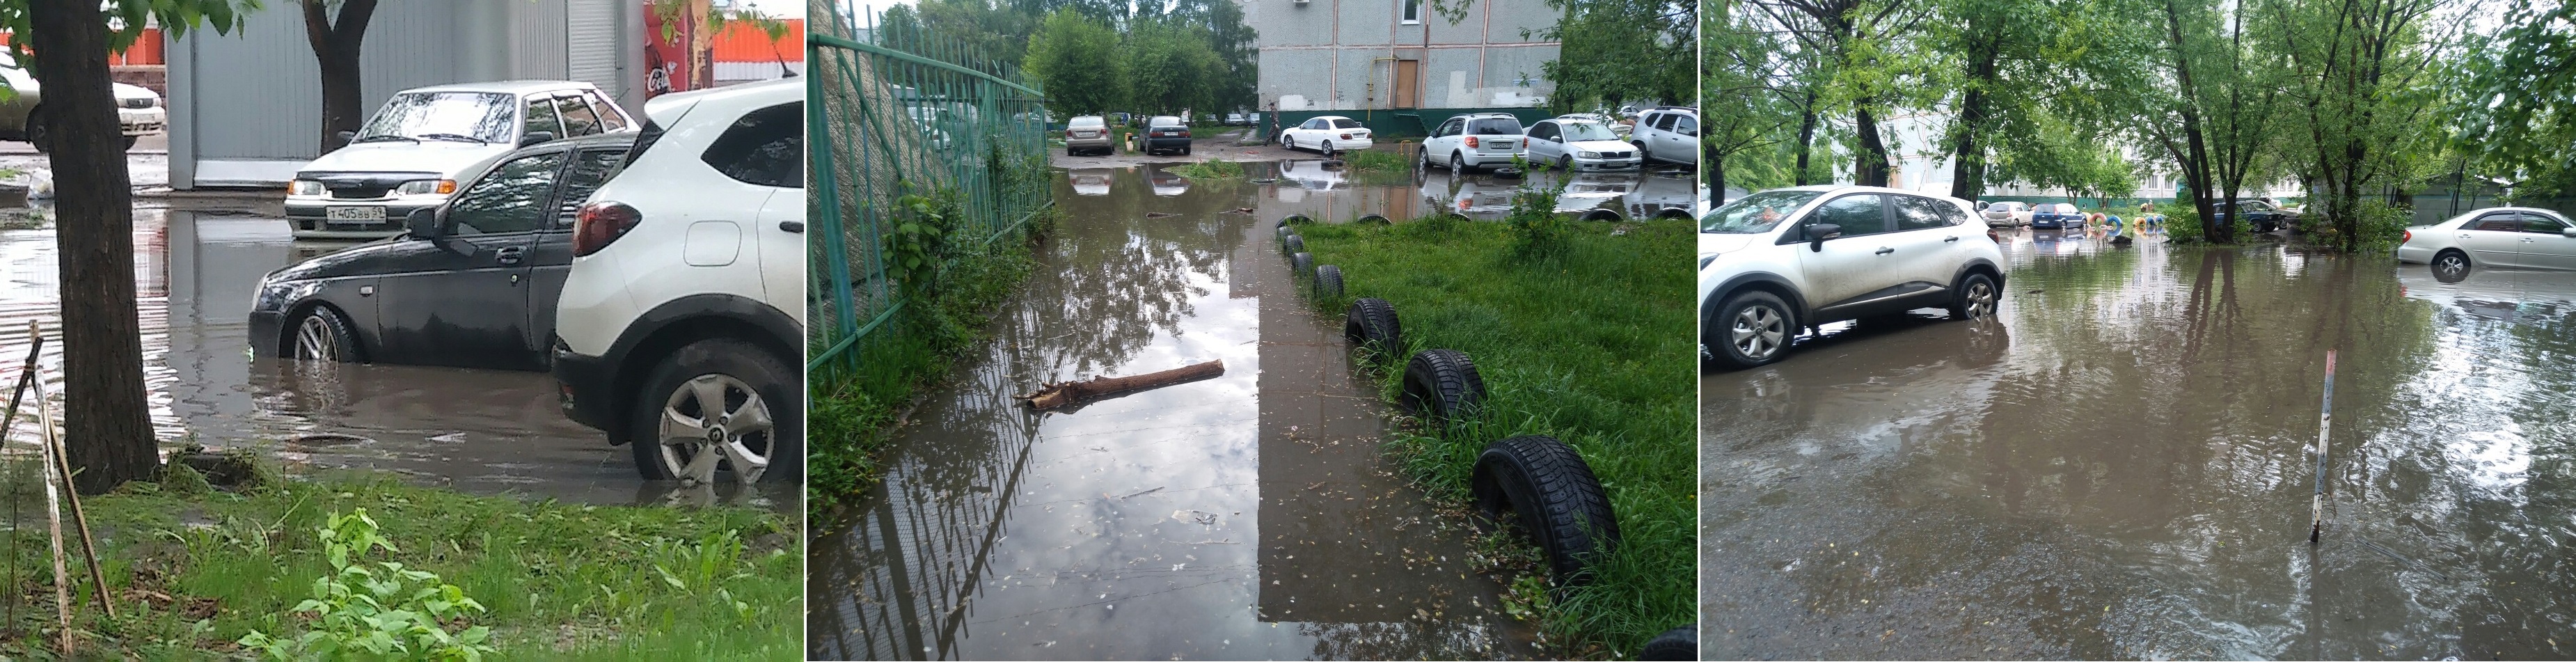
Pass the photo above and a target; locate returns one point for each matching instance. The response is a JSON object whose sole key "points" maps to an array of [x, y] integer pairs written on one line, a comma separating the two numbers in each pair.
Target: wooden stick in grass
{"points": [[54, 523], [80, 519], [1068, 393]]}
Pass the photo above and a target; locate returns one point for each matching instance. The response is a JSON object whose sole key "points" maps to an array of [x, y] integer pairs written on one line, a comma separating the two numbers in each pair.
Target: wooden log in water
{"points": [[1069, 393]]}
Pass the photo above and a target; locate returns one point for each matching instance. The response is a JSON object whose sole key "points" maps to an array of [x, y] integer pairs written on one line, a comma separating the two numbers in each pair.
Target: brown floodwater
{"points": [[197, 268], [2120, 466], [1248, 516]]}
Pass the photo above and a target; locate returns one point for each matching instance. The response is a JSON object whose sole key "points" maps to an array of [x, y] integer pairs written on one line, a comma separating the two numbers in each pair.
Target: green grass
{"points": [[1376, 160], [852, 416], [1588, 346], [193, 573], [1210, 170]]}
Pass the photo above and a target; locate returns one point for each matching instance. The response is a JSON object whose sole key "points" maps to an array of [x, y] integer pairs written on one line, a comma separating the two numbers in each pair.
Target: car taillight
{"points": [[1471, 142], [1185, 133], [2410, 238], [1068, 133], [600, 223]]}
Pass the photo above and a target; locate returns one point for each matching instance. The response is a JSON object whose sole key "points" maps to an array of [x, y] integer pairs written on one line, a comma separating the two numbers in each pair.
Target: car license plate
{"points": [[355, 214]]}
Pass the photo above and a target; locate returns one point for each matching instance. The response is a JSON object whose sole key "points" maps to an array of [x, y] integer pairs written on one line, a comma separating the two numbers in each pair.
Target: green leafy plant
{"points": [[1538, 232], [386, 610], [921, 237]]}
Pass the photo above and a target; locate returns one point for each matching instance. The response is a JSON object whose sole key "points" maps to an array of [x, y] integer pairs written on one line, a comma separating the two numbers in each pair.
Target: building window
{"points": [[1412, 12]]}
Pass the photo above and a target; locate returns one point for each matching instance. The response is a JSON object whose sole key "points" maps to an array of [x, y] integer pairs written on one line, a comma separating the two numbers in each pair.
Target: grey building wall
{"points": [[1338, 54], [246, 108]]}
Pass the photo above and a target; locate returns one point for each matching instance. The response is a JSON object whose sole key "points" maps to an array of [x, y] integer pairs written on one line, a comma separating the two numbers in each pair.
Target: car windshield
{"points": [[486, 117], [1085, 122], [1755, 214], [1494, 126], [1344, 123], [1164, 120], [1581, 131]]}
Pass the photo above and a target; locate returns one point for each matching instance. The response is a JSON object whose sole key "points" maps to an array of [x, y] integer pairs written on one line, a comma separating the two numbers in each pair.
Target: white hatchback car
{"points": [[2525, 237], [1775, 262], [1579, 145], [1326, 133], [411, 153], [1467, 142], [681, 327]]}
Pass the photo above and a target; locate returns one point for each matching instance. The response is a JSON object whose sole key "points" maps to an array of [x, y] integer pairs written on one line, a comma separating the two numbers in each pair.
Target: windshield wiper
{"points": [[383, 137], [454, 136]]}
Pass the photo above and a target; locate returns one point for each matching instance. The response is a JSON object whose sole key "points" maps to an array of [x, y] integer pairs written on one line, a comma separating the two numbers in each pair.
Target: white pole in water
{"points": [[2325, 419]]}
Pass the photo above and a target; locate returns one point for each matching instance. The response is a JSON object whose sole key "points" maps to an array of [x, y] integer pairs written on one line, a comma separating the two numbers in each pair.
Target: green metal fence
{"points": [[905, 111]]}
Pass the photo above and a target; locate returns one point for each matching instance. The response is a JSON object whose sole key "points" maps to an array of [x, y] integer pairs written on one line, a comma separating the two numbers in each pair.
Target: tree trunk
{"points": [[1871, 169], [1073, 393], [1716, 166], [106, 422], [336, 46], [1967, 153], [1806, 142]]}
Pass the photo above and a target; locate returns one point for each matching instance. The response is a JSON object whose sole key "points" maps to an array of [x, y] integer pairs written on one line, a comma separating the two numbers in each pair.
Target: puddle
{"points": [[475, 430], [1249, 516], [2122, 468]]}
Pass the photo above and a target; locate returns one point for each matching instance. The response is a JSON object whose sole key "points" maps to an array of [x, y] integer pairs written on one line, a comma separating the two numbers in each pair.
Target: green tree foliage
{"points": [[1614, 51], [1075, 59], [1170, 67], [2516, 111]]}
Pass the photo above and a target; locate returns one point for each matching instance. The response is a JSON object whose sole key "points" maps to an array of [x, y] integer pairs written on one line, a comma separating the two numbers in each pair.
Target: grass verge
{"points": [[1376, 160], [852, 414], [1584, 344], [1210, 170], [193, 571]]}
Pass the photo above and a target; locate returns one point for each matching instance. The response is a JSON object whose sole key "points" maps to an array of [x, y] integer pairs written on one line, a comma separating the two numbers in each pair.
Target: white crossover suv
{"points": [[1467, 142], [1780, 261], [681, 327]]}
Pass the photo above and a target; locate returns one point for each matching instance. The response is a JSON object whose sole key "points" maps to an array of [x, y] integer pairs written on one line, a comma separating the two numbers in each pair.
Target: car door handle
{"points": [[508, 254], [1883, 250], [1952, 239], [792, 226]]}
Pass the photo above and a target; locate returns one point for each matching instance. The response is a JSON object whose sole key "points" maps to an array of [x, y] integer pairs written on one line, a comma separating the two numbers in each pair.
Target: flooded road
{"points": [[1247, 516], [2121, 468], [196, 269]]}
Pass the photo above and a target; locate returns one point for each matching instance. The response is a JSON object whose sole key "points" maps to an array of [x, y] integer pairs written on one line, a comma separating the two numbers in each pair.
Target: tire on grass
{"points": [[1600, 215], [1296, 219], [1442, 385], [1303, 264], [1674, 645], [1375, 219], [1285, 232], [1293, 244], [1545, 487], [1328, 282], [1372, 326]]}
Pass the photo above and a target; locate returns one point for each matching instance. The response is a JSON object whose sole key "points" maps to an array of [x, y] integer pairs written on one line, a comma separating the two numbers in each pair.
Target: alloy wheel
{"points": [[1759, 332], [1981, 300], [313, 341], [713, 419]]}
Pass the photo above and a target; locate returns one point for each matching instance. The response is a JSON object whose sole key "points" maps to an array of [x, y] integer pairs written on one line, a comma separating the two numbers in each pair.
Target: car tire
{"points": [[1328, 282], [749, 381], [1371, 325], [1425, 154], [1643, 157], [1294, 244], [1328, 147], [1679, 644], [1442, 385], [2452, 260], [1767, 328], [1978, 298], [37, 134], [1185, 151], [1565, 163], [1457, 163], [129, 142], [322, 334], [1303, 264], [1544, 486]]}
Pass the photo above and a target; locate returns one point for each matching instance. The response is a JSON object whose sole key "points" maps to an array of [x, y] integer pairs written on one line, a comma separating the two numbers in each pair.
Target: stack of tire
{"points": [[1533, 481]]}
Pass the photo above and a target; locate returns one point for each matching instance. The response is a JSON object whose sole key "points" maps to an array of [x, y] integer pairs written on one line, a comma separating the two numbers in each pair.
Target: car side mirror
{"points": [[423, 223], [346, 136], [1818, 233], [2569, 231], [537, 138]]}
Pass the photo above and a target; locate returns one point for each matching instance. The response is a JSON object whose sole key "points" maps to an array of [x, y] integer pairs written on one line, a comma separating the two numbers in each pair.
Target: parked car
{"points": [[2523, 237], [1326, 133], [1579, 144], [1775, 262], [472, 283], [1089, 133], [1669, 134], [1234, 119], [138, 109], [1466, 143], [410, 154], [2264, 216], [2055, 216], [2006, 213], [1616, 126], [681, 328], [1166, 133]]}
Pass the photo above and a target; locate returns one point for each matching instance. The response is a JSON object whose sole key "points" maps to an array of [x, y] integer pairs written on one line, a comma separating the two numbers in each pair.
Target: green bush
{"points": [[385, 611], [2383, 225]]}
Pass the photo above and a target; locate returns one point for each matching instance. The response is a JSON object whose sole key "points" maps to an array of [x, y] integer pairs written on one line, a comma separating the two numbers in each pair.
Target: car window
{"points": [[1756, 213], [577, 118], [1450, 128], [1952, 213], [1165, 120], [605, 111], [1494, 126], [2542, 224], [1582, 131], [540, 116], [766, 147], [1685, 123], [589, 170], [1857, 214], [1913, 213], [483, 116], [1346, 124], [510, 199], [2504, 222], [1664, 121], [1543, 131], [1316, 123]]}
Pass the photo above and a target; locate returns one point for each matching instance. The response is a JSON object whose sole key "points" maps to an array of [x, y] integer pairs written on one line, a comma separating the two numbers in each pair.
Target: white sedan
{"points": [[1579, 145], [1326, 133], [2496, 237]]}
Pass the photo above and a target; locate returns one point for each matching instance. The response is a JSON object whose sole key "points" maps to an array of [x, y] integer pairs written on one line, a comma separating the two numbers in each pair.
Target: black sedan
{"points": [[2264, 216], [1166, 133], [472, 283]]}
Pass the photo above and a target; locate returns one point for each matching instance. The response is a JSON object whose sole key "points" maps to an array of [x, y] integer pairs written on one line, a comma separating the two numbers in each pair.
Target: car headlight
{"points": [[428, 187], [1705, 259], [272, 296], [303, 187], [1588, 155]]}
